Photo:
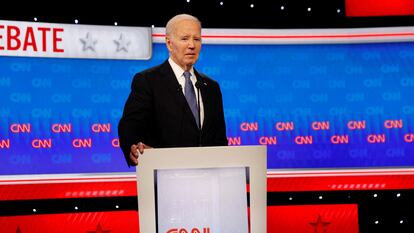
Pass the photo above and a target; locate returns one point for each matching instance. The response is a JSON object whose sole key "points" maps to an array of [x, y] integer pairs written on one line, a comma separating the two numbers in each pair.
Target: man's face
{"points": [[185, 43]]}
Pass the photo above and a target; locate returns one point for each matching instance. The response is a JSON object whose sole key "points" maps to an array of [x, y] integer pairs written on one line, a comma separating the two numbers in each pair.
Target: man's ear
{"points": [[168, 43]]}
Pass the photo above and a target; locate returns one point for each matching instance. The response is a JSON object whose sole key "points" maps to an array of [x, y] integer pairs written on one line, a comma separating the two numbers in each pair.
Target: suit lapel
{"points": [[169, 79], [176, 90], [205, 95]]}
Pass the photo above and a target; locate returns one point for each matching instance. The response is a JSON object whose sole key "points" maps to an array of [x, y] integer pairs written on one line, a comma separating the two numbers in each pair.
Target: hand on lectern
{"points": [[136, 150]]}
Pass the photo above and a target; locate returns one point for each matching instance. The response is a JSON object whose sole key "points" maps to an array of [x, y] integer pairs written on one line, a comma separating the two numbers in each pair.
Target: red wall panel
{"points": [[379, 7]]}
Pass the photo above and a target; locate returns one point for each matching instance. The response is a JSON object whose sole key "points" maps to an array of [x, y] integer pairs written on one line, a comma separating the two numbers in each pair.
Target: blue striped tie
{"points": [[190, 96]]}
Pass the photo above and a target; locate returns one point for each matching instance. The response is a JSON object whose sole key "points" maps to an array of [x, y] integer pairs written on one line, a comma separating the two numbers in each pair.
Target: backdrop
{"points": [[316, 106]]}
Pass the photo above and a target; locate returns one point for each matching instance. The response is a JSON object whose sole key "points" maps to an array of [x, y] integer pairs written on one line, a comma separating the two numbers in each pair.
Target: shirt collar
{"points": [[178, 71]]}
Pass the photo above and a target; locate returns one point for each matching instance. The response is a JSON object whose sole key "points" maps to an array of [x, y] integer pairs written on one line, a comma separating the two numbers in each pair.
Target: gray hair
{"points": [[174, 20]]}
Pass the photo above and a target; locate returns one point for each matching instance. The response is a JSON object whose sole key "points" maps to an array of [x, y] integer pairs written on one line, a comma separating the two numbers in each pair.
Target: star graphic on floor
{"points": [[319, 225], [99, 230]]}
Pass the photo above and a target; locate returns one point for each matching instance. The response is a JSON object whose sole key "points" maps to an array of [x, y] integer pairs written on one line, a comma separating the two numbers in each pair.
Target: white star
{"points": [[88, 43], [122, 43]]}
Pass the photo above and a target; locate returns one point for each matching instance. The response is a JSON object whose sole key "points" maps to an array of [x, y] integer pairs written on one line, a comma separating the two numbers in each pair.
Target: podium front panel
{"points": [[212, 198], [202, 189]]}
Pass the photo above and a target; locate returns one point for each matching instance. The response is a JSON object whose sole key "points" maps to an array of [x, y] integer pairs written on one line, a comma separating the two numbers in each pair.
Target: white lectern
{"points": [[202, 190]]}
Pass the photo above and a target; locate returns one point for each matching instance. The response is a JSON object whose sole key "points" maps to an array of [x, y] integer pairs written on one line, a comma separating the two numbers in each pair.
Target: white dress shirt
{"points": [[179, 74]]}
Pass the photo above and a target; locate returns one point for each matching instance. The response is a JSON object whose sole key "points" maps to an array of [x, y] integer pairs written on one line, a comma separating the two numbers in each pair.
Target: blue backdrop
{"points": [[316, 106]]}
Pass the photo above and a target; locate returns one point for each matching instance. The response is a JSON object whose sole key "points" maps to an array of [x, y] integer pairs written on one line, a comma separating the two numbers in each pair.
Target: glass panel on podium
{"points": [[206, 199]]}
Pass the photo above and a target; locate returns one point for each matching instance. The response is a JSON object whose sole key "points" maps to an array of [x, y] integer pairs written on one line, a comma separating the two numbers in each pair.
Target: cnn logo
{"points": [[194, 230]]}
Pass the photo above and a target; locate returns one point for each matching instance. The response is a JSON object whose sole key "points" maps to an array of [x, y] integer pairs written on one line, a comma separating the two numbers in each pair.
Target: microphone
{"points": [[198, 85], [180, 88]]}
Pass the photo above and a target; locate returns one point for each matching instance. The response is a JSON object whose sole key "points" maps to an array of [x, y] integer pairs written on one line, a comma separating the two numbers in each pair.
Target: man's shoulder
{"points": [[153, 70], [206, 79]]}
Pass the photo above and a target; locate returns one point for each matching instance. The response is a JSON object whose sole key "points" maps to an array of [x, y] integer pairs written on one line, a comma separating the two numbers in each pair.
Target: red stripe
{"points": [[87, 222], [276, 182], [271, 174], [70, 179], [68, 190], [338, 218], [299, 36]]}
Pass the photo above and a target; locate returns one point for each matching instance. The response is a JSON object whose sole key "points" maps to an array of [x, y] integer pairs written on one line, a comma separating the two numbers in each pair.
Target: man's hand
{"points": [[136, 150]]}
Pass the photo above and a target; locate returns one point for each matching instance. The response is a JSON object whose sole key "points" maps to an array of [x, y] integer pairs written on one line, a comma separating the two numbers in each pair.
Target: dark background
{"points": [[232, 14]]}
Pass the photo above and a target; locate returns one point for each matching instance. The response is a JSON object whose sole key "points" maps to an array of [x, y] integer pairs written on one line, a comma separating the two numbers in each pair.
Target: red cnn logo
{"points": [[356, 125], [340, 139], [376, 138], [300, 140], [20, 128], [245, 126], [409, 137], [82, 143], [62, 128], [268, 140], [42, 143], [101, 128], [194, 230], [389, 124], [5, 143], [115, 142], [234, 141], [284, 126], [320, 125]]}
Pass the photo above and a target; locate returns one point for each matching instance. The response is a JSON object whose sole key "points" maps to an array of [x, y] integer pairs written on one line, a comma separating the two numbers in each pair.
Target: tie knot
{"points": [[187, 74]]}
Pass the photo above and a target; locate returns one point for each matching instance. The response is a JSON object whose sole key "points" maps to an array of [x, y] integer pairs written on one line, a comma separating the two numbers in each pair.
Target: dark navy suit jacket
{"points": [[157, 114]]}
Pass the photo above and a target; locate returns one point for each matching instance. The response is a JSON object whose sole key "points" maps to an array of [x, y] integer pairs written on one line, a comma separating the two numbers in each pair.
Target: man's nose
{"points": [[191, 43]]}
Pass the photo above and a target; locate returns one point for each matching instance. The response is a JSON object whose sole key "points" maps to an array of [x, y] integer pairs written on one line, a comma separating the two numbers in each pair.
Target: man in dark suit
{"points": [[173, 105]]}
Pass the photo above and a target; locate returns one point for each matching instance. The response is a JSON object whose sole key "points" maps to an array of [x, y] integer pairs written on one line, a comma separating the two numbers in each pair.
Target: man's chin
{"points": [[190, 62]]}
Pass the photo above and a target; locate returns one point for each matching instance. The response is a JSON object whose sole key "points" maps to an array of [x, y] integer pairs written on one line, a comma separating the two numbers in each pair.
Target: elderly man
{"points": [[173, 105]]}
